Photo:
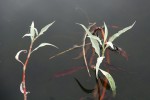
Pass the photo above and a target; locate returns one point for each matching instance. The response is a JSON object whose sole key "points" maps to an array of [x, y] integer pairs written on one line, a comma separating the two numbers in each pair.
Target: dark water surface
{"points": [[16, 17]]}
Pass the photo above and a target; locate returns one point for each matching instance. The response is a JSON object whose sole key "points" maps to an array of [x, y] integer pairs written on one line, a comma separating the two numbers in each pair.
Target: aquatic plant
{"points": [[100, 44], [34, 35]]}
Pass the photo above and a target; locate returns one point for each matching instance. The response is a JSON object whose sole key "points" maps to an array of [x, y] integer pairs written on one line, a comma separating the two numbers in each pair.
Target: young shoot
{"points": [[100, 46], [34, 35]]}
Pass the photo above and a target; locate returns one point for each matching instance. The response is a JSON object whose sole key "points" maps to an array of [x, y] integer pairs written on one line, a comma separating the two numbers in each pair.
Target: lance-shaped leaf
{"points": [[110, 80], [99, 61], [32, 31], [112, 38], [45, 28], [94, 42], [106, 32], [96, 38], [86, 30], [95, 45], [36, 31], [42, 45], [17, 56], [26, 35]]}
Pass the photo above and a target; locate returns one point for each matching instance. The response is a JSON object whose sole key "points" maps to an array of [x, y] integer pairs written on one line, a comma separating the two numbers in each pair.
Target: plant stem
{"points": [[83, 50], [105, 81], [108, 61], [24, 72], [70, 49]]}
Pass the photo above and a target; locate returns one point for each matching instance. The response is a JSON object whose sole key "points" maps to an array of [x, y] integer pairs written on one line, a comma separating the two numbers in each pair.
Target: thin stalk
{"points": [[105, 81], [83, 50], [108, 61], [70, 49], [24, 72]]}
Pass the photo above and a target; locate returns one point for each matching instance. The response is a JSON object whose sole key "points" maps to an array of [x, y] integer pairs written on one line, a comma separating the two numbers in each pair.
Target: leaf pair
{"points": [[34, 35], [94, 40], [34, 32]]}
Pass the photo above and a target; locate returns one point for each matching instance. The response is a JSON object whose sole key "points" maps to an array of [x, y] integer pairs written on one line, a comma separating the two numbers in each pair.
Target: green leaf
{"points": [[18, 54], [42, 45], [94, 42], [96, 38], [106, 32], [36, 31], [45, 28], [26, 35], [86, 30], [95, 45], [99, 61], [112, 38], [32, 32], [110, 80]]}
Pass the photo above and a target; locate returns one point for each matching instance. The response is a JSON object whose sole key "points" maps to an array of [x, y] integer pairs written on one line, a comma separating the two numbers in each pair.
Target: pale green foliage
{"points": [[34, 32], [99, 61], [17, 56], [44, 29], [33, 35], [42, 45], [109, 44], [96, 43], [26, 35], [112, 38], [96, 38], [106, 33], [110, 80]]}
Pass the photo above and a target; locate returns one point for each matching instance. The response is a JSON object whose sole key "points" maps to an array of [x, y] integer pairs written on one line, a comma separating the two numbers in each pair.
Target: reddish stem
{"points": [[24, 72], [108, 61], [105, 81]]}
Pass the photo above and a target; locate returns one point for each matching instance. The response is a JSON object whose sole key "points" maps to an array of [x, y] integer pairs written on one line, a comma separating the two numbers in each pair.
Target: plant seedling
{"points": [[99, 46], [34, 35]]}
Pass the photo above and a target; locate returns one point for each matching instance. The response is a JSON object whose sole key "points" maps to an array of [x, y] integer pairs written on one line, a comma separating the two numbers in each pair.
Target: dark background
{"points": [[16, 17]]}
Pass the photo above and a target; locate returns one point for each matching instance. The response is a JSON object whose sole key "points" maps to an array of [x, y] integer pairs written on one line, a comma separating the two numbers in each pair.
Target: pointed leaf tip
{"points": [[99, 61], [26, 35], [93, 40], [42, 45], [110, 80], [46, 28], [106, 32], [113, 37], [32, 31]]}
